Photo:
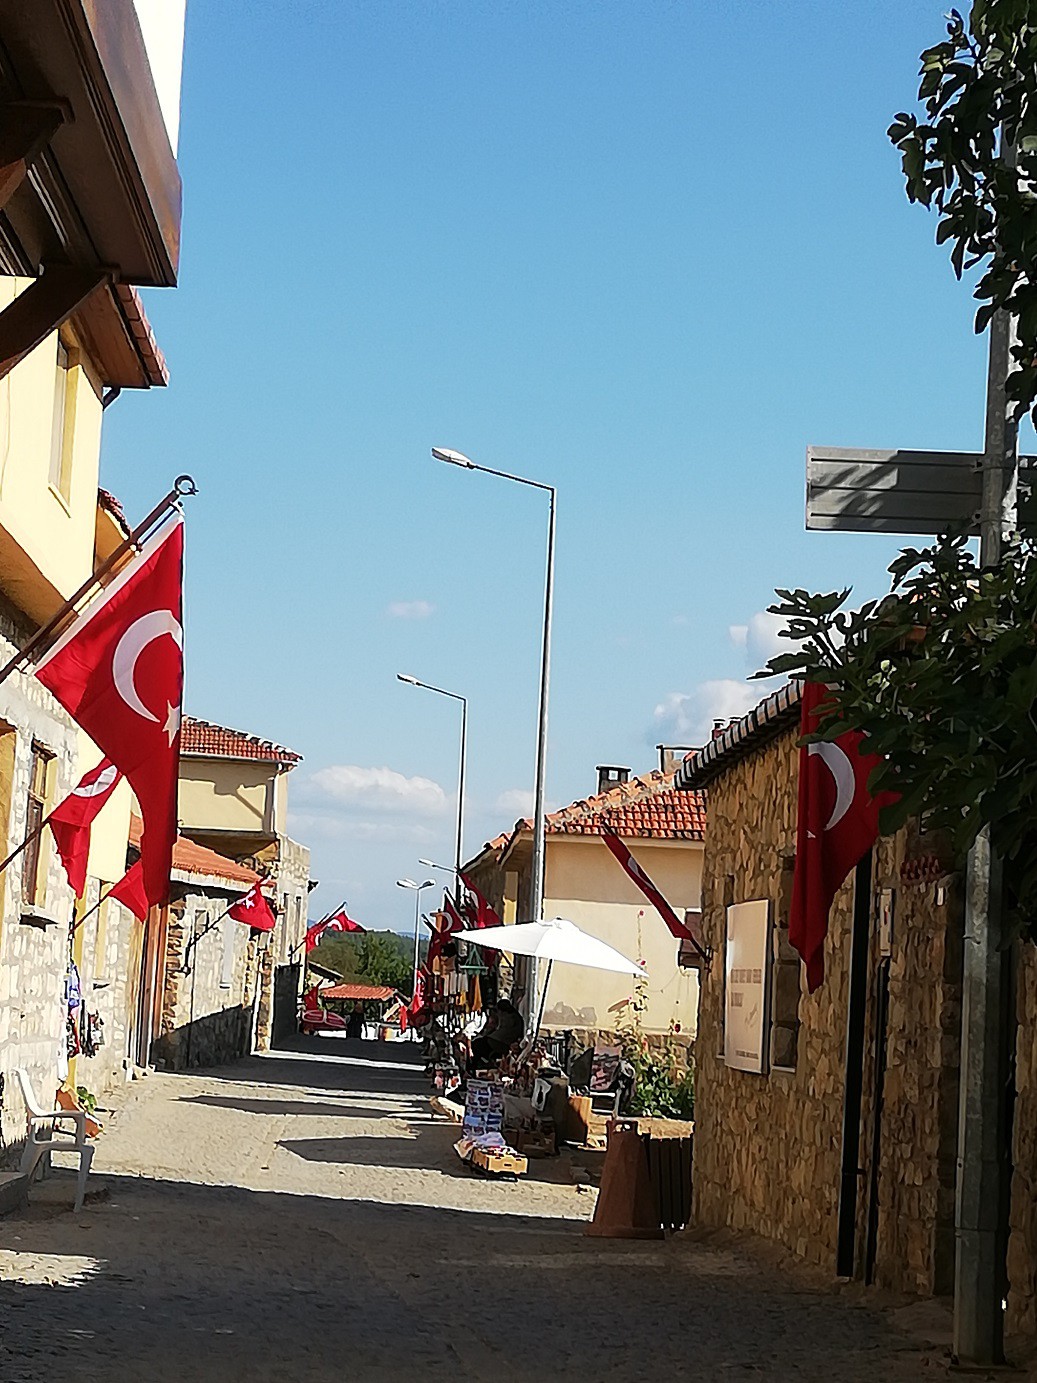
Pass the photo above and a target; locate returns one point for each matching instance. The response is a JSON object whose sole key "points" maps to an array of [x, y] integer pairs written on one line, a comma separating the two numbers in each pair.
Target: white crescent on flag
{"points": [[129, 648], [101, 783]]}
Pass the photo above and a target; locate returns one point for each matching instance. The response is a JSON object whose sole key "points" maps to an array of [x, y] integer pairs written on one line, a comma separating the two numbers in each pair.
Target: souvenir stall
{"points": [[522, 1101]]}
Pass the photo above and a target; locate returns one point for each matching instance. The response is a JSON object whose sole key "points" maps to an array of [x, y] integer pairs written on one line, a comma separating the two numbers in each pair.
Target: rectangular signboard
{"points": [[745, 989]]}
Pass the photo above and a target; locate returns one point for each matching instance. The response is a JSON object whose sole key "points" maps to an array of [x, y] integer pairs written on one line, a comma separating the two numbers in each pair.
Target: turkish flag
{"points": [[338, 922], [119, 672], [254, 910], [70, 821], [485, 915], [342, 922], [838, 824], [638, 876], [129, 891], [456, 922]]}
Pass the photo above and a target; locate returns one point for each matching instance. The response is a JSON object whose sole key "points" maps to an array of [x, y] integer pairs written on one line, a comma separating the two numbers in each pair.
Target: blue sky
{"points": [[646, 252]]}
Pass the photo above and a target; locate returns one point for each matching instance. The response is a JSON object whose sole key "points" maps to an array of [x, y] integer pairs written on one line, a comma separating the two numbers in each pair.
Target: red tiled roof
{"points": [[356, 991], [647, 808], [221, 742], [190, 858]]}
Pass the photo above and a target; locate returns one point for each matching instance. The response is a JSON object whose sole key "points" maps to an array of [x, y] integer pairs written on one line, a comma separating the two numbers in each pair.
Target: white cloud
{"points": [[514, 802], [410, 609], [687, 717], [377, 789], [738, 634], [763, 638]]}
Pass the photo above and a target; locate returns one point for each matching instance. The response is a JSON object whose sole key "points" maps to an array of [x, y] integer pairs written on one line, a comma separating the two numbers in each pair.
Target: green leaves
{"points": [[941, 678], [980, 80]]}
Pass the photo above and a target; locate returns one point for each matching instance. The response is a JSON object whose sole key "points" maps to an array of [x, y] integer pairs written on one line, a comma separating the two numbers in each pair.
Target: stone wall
{"points": [[768, 1147], [207, 1007], [109, 969], [1022, 1242], [33, 958]]}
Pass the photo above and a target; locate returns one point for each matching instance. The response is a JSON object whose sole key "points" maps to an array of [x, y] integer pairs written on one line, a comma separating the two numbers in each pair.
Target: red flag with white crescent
{"points": [[119, 672], [71, 819], [838, 823], [676, 927], [254, 909], [485, 915]]}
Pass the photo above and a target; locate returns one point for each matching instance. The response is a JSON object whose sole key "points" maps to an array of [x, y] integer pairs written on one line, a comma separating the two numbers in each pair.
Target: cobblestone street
{"points": [[300, 1217]]}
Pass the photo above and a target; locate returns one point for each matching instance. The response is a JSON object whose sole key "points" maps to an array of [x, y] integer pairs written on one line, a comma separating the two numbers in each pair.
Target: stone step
{"points": [[14, 1192]]}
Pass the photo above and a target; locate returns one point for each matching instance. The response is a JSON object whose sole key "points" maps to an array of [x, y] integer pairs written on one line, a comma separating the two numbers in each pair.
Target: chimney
{"points": [[609, 776], [671, 756]]}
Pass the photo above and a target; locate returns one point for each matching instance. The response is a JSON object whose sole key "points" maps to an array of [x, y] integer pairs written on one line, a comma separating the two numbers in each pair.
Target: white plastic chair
{"points": [[40, 1136]]}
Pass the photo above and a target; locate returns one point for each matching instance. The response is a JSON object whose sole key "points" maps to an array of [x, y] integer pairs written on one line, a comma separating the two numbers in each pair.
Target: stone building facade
{"points": [[212, 965], [234, 801], [35, 922], [768, 1145]]}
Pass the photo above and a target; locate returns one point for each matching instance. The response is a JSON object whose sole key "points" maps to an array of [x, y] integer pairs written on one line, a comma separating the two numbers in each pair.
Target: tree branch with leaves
{"points": [[940, 675], [979, 93]]}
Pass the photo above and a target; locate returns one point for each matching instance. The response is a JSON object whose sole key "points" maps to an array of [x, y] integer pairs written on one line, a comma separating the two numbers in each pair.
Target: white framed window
{"points": [[62, 424]]}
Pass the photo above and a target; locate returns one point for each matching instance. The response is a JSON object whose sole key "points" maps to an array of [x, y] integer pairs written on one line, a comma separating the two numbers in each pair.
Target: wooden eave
{"points": [[105, 191], [113, 329]]}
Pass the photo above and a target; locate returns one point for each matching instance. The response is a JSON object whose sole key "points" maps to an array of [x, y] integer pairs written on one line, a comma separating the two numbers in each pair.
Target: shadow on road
{"points": [[200, 1284], [272, 1106], [422, 1153]]}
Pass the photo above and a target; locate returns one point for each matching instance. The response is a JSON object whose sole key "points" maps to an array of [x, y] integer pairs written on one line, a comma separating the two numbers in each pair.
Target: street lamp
{"points": [[431, 864], [409, 883], [454, 696], [458, 458]]}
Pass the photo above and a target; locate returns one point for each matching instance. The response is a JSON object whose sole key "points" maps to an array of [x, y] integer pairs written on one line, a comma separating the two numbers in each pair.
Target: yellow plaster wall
{"points": [[226, 795], [585, 883], [46, 544]]}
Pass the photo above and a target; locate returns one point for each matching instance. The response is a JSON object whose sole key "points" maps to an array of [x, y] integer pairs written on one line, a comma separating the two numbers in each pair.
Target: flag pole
{"points": [[324, 919], [90, 911], [33, 835], [182, 486], [197, 936]]}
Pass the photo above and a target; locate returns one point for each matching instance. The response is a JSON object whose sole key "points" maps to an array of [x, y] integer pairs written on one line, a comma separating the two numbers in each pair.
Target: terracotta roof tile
{"points": [[647, 807], [189, 858], [206, 738]]}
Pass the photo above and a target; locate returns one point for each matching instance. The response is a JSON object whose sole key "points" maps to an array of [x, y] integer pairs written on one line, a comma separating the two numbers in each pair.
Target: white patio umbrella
{"points": [[558, 939]]}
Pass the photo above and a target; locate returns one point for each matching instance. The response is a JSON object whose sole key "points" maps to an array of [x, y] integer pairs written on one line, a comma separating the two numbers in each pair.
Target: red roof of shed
{"points": [[356, 991]]}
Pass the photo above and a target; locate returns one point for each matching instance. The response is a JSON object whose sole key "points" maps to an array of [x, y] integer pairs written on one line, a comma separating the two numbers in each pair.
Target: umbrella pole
{"points": [[543, 1000]]}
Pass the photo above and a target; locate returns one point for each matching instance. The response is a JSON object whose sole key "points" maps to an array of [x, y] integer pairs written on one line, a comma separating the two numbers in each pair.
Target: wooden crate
{"points": [[499, 1163]]}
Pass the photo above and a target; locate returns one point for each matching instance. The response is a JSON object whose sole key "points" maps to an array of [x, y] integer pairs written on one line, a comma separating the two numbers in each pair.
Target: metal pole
{"points": [[539, 825], [458, 840], [183, 485], [854, 1081], [417, 920], [984, 1155]]}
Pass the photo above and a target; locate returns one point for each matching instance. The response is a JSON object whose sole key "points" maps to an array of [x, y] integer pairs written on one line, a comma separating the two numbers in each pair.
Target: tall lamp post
{"points": [[454, 696], [409, 883], [458, 458]]}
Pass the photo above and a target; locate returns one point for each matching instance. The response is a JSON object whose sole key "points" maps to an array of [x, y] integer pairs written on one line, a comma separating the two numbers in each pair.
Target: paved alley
{"points": [[301, 1218]]}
